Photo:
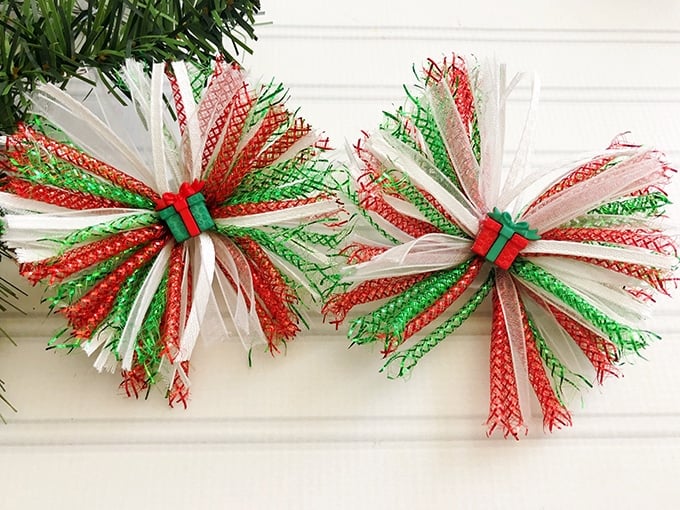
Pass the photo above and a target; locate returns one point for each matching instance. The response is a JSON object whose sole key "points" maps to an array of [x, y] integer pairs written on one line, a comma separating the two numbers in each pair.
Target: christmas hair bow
{"points": [[158, 222], [570, 257]]}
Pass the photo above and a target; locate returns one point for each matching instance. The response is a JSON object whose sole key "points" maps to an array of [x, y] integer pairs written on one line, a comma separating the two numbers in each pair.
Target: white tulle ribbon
{"points": [[88, 131], [290, 215], [509, 300], [68, 221], [191, 152], [135, 319], [217, 104], [202, 258], [101, 338], [491, 125], [16, 204], [562, 345], [519, 171], [138, 83], [305, 141], [395, 154], [456, 139], [614, 301], [626, 177], [237, 292], [396, 233], [247, 137], [105, 361], [628, 254], [577, 269], [404, 207], [164, 179], [36, 236], [431, 252]]}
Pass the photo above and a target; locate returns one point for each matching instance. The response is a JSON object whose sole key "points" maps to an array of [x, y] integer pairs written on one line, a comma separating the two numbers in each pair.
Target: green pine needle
{"points": [[49, 40]]}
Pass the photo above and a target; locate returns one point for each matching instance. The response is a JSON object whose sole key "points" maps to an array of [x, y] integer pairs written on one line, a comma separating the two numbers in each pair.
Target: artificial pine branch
{"points": [[50, 40]]}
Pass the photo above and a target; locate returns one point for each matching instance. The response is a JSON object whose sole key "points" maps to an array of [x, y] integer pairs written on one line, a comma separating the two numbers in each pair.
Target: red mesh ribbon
{"points": [[504, 409]]}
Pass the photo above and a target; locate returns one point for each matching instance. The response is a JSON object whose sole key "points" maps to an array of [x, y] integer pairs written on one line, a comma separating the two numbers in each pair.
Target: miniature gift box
{"points": [[500, 239], [185, 212]]}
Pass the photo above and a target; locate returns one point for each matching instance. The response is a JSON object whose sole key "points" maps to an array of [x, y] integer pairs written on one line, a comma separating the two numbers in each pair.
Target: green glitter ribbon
{"points": [[406, 360], [624, 337], [651, 204], [61, 174], [102, 230], [424, 121], [559, 374], [394, 315], [148, 346], [326, 276], [413, 195]]}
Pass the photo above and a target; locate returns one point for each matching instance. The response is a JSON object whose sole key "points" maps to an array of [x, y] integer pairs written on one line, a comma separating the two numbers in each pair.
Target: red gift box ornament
{"points": [[500, 239]]}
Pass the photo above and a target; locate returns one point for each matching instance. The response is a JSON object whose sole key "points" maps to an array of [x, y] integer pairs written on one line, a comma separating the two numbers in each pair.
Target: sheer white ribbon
{"points": [[431, 252]]}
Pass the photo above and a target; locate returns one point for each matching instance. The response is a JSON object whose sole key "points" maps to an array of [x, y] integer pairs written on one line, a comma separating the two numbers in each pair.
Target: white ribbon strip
{"points": [[562, 345], [290, 215], [617, 181], [88, 131], [106, 361], [191, 151], [15, 204], [431, 252], [578, 269], [490, 81], [216, 103], [628, 254], [244, 314], [456, 139], [519, 168], [202, 260], [33, 236], [382, 223], [101, 338], [61, 224], [165, 181], [396, 154], [292, 151], [404, 207], [245, 319], [614, 301]]}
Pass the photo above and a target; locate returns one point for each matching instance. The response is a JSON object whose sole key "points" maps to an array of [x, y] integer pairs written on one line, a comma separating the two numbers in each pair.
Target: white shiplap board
{"points": [[319, 427]]}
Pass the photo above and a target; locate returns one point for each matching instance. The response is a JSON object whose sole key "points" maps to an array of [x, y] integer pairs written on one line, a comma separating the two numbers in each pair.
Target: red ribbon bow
{"points": [[179, 202]]}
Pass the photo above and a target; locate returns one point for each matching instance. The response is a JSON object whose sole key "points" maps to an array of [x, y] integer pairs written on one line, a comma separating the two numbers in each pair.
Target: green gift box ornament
{"points": [[185, 212]]}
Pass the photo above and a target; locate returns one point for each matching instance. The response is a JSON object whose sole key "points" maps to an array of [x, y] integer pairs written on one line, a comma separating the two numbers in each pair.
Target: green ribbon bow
{"points": [[520, 227]]}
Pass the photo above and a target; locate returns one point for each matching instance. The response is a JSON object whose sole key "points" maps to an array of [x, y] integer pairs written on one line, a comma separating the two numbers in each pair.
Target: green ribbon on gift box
{"points": [[508, 229]]}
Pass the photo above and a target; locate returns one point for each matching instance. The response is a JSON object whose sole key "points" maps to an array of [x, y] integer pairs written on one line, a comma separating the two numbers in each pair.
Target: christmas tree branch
{"points": [[50, 40]]}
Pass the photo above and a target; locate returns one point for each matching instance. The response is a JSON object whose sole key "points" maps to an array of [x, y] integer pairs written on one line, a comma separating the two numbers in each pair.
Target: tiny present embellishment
{"points": [[500, 239], [185, 212]]}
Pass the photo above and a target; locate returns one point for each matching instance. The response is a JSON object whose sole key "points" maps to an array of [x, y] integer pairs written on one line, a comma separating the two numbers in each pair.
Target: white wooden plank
{"points": [[470, 474]]}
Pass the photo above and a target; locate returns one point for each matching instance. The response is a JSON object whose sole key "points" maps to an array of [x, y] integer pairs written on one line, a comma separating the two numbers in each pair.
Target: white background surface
{"points": [[320, 428]]}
